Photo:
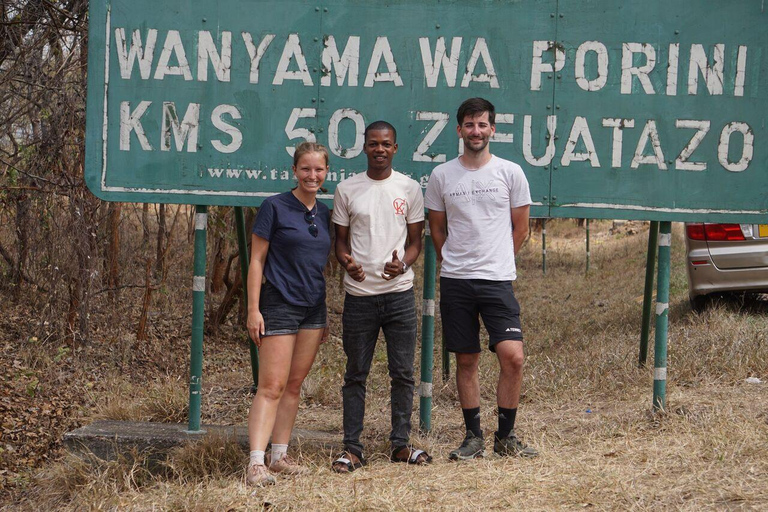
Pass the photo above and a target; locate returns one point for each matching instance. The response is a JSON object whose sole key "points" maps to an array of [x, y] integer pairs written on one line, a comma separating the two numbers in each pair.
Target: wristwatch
{"points": [[405, 267]]}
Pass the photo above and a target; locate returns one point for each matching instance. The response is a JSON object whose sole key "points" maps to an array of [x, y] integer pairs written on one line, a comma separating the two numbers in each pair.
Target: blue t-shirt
{"points": [[295, 258]]}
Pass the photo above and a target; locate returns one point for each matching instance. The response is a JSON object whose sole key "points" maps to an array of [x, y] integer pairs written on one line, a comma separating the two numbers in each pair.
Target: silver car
{"points": [[725, 258]]}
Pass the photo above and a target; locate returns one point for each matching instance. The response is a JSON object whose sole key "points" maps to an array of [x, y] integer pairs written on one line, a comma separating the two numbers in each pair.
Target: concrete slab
{"points": [[109, 440]]}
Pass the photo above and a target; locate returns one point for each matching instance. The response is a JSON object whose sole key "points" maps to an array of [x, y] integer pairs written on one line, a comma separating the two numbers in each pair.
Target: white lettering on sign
{"points": [[741, 71], [186, 130], [549, 154], [538, 66], [231, 130], [503, 137], [580, 130], [382, 50], [480, 51], [682, 161], [131, 122], [292, 51], [617, 137], [333, 133], [348, 64], [256, 54], [628, 68], [206, 51], [650, 132], [713, 75], [294, 133], [601, 52], [126, 57], [591, 62], [747, 149], [448, 61], [429, 138], [173, 47], [672, 68]]}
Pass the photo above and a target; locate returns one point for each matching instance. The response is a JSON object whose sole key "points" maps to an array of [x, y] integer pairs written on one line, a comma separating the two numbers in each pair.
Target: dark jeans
{"points": [[395, 314]]}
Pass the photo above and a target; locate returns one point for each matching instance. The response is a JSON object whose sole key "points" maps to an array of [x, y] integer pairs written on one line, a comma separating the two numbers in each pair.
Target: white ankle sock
{"points": [[278, 451], [257, 458]]}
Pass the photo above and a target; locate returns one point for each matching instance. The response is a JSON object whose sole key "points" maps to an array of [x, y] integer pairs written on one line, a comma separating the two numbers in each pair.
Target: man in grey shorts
{"points": [[474, 202]]}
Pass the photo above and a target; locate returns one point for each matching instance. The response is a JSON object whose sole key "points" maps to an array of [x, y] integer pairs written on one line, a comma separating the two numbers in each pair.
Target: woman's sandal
{"points": [[415, 456], [345, 463]]}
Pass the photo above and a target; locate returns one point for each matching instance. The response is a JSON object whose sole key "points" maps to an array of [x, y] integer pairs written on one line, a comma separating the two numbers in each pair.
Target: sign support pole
{"points": [[427, 334], [662, 318], [543, 246], [650, 264], [586, 222], [242, 247], [198, 315]]}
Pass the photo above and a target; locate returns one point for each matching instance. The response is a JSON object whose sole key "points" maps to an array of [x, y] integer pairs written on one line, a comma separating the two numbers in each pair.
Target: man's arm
{"points": [[396, 267], [520, 217], [413, 249], [344, 254], [438, 227]]}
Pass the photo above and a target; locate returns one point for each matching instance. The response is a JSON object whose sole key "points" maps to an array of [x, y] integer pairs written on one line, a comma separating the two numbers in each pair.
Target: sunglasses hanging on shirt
{"points": [[309, 218]]}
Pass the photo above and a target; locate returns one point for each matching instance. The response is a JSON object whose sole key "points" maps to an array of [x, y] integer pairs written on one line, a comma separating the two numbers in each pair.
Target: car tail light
{"points": [[715, 232], [695, 231], [727, 232]]}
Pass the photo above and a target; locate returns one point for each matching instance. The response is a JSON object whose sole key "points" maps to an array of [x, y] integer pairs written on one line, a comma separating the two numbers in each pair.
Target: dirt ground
{"points": [[586, 405]]}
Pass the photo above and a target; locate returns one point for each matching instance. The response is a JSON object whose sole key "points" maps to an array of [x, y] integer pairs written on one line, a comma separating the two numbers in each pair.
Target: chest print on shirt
{"points": [[399, 205], [483, 191], [460, 193], [480, 192]]}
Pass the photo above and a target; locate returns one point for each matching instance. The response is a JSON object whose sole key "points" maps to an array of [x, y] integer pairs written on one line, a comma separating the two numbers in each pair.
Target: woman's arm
{"points": [[259, 248]]}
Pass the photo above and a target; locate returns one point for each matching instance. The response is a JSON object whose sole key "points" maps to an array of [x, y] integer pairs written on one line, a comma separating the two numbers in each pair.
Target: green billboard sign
{"points": [[641, 110]]}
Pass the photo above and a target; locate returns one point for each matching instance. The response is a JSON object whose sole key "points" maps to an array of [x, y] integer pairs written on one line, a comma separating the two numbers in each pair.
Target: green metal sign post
{"points": [[662, 318], [427, 335], [242, 247], [544, 246], [586, 230], [198, 315], [650, 265]]}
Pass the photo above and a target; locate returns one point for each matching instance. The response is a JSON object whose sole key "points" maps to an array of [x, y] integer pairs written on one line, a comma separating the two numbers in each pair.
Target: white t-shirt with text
{"points": [[377, 213], [477, 204]]}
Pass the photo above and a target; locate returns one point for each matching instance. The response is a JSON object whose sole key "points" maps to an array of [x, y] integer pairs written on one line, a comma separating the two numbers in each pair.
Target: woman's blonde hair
{"points": [[309, 147]]}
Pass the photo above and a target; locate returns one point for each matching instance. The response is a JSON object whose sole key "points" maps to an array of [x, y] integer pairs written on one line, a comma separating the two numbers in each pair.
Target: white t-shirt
{"points": [[378, 213], [477, 204]]}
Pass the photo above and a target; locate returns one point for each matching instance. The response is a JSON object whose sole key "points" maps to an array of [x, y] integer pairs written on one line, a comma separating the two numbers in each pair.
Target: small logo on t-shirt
{"points": [[399, 205], [513, 329]]}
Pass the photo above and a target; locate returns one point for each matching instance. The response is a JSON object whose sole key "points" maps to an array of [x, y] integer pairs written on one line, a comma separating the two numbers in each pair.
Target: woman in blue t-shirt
{"points": [[286, 313]]}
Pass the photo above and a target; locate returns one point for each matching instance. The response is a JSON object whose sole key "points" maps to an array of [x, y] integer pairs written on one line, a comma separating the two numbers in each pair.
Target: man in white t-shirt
{"points": [[379, 217], [478, 216]]}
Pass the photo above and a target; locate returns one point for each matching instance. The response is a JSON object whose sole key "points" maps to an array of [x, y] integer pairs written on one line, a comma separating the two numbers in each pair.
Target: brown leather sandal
{"points": [[414, 456], [347, 461]]}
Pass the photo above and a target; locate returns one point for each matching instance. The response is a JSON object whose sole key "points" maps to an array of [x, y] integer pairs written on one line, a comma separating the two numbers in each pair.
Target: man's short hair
{"points": [[380, 125], [475, 107]]}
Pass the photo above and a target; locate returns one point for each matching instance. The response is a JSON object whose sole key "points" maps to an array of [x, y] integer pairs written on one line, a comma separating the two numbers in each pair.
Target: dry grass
{"points": [[586, 406]]}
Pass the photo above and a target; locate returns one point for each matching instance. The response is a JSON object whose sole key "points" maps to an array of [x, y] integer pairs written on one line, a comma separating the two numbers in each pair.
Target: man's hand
{"points": [[393, 268], [354, 270]]}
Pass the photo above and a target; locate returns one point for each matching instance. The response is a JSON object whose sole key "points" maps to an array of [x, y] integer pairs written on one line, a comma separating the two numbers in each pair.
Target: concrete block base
{"points": [[109, 440]]}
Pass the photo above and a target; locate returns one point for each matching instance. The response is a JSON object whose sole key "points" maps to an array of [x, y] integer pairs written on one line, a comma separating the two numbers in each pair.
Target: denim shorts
{"points": [[281, 317]]}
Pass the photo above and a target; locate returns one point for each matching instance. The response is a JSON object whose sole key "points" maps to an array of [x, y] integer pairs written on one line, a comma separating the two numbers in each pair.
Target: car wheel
{"points": [[699, 303]]}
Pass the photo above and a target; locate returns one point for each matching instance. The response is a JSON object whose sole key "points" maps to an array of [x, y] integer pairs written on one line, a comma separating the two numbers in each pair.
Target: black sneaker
{"points": [[511, 445], [472, 447]]}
